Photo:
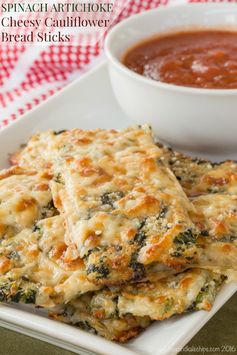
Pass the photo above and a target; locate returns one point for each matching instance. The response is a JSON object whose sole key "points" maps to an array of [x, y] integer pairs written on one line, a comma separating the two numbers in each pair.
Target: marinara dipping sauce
{"points": [[201, 59]]}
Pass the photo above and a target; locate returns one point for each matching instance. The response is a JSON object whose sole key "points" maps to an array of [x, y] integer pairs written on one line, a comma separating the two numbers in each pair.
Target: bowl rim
{"points": [[158, 84]]}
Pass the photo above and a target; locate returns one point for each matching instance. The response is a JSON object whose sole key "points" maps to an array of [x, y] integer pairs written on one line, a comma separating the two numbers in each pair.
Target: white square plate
{"points": [[89, 103]]}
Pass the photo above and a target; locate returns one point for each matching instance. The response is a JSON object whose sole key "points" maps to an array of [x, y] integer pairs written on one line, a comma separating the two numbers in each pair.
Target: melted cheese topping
{"points": [[25, 197], [212, 189], [217, 219], [123, 207], [41, 258], [111, 183], [118, 329], [194, 289], [123, 217], [199, 177], [37, 153], [173, 295]]}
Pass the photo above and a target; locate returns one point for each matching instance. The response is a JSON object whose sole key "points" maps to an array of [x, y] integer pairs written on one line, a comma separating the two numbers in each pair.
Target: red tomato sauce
{"points": [[201, 59]]}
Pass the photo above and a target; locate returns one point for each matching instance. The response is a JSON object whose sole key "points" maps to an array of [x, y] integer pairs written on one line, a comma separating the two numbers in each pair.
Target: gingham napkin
{"points": [[29, 74]]}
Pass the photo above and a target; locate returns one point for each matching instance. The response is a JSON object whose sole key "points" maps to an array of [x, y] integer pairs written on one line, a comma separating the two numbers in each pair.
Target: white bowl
{"points": [[202, 121]]}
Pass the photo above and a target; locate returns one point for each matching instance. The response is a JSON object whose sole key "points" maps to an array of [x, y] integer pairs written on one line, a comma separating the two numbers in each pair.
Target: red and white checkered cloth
{"points": [[29, 74]]}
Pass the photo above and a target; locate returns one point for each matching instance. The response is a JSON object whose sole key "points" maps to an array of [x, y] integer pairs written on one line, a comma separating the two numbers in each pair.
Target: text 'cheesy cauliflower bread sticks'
{"points": [[124, 209]]}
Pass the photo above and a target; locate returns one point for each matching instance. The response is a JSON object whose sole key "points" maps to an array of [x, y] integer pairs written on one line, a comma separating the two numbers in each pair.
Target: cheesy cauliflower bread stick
{"points": [[124, 209], [33, 275], [115, 328], [216, 217], [118, 313], [212, 189], [34, 278], [193, 289], [40, 261], [196, 176], [106, 312], [38, 153], [199, 176], [37, 268], [25, 197]]}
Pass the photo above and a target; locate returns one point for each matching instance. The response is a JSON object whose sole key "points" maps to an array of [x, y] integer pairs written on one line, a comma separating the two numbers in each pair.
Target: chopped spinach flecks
{"points": [[91, 251], [13, 255], [102, 271], [138, 268], [169, 302], [228, 238], [208, 292], [204, 233], [186, 238], [199, 161], [177, 254], [16, 291], [37, 228], [5, 288], [117, 247], [215, 190], [115, 300], [163, 212], [140, 238], [109, 198], [56, 133], [49, 210], [58, 178], [25, 278], [27, 296], [201, 294]]}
